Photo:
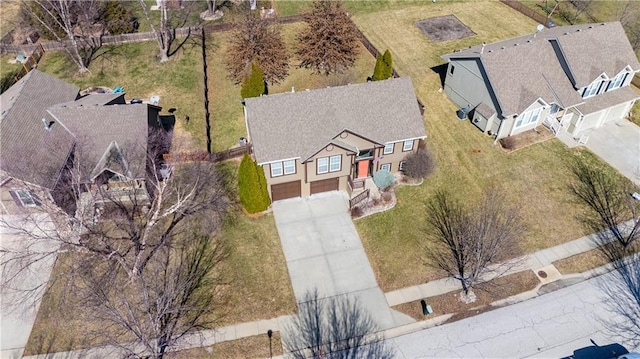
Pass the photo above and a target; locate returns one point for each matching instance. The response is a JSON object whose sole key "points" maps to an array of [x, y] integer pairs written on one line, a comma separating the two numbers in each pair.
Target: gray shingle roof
{"points": [[297, 125], [522, 69], [96, 127], [608, 99], [27, 150]]}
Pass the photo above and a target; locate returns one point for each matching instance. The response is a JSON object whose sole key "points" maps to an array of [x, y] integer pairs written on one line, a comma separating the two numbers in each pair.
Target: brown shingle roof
{"points": [[525, 68], [296, 125], [27, 150], [608, 99], [96, 127]]}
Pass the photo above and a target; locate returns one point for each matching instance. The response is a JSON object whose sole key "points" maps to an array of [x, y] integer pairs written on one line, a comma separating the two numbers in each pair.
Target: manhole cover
{"points": [[542, 274]]}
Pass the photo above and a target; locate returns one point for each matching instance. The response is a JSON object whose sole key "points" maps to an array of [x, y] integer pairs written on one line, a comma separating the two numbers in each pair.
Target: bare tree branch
{"points": [[471, 243]]}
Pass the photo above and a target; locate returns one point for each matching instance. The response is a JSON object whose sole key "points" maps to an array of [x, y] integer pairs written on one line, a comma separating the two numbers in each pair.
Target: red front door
{"points": [[363, 169]]}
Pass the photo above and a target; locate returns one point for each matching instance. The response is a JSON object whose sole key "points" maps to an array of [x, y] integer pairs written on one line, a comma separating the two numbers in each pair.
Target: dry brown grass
{"points": [[534, 179], [580, 262], [251, 347], [487, 293]]}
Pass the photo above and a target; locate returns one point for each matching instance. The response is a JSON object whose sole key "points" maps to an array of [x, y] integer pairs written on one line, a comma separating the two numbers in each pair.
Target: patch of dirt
{"points": [[525, 139], [444, 28]]}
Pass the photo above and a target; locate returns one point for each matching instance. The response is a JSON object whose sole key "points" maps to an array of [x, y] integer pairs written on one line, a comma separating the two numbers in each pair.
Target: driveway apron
{"points": [[618, 144], [323, 252]]}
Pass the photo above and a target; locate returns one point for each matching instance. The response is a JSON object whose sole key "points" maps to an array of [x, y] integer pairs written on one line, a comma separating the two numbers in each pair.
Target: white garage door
{"points": [[617, 112], [591, 120]]}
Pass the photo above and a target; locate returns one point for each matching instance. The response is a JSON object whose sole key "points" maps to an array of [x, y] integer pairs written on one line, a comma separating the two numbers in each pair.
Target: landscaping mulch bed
{"points": [[525, 139], [486, 293], [444, 28]]}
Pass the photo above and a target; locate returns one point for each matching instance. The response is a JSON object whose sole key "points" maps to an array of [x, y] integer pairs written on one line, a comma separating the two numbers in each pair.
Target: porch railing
{"points": [[552, 124], [359, 198], [356, 183]]}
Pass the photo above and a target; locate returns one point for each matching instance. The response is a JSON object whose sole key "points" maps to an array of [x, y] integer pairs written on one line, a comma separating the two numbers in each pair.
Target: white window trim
{"points": [[385, 167], [386, 147], [401, 165], [528, 117], [292, 166], [335, 160], [20, 193], [592, 90], [277, 165], [406, 148], [325, 161], [617, 81]]}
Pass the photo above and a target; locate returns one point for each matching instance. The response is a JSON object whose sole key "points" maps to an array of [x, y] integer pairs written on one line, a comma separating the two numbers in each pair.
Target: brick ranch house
{"points": [[333, 139], [571, 79]]}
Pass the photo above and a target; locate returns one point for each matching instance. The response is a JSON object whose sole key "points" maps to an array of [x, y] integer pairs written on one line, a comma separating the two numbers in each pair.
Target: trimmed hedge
{"points": [[252, 186], [383, 179], [384, 67]]}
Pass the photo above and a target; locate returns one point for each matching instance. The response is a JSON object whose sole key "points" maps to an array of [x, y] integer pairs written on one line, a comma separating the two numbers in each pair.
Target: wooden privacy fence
{"points": [[526, 11], [31, 62], [181, 157], [134, 37]]}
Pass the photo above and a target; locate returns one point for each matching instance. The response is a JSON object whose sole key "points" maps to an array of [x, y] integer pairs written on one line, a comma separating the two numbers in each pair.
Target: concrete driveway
{"points": [[323, 252], [18, 310], [618, 144]]}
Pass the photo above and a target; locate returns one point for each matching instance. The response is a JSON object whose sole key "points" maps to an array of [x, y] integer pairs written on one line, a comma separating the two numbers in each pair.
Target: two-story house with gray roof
{"points": [[333, 138], [569, 78], [47, 129]]}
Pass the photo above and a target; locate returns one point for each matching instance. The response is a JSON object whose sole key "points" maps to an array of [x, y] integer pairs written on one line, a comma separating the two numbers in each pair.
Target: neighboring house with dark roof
{"points": [[333, 138], [569, 78], [46, 129]]}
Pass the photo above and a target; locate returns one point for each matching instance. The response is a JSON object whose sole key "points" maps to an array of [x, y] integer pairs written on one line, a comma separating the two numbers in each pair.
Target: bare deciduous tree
{"points": [[260, 39], [69, 22], [170, 20], [335, 327], [623, 292], [125, 223], [610, 205], [174, 296], [329, 43], [469, 242]]}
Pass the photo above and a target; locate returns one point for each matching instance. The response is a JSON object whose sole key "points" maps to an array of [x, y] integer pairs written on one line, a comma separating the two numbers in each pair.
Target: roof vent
{"points": [[591, 27], [293, 89], [490, 51], [566, 33], [502, 47], [528, 40], [579, 30], [47, 125], [516, 44]]}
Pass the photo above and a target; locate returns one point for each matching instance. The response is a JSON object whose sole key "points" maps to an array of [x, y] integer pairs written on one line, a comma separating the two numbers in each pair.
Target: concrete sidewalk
{"points": [[537, 261], [542, 259]]}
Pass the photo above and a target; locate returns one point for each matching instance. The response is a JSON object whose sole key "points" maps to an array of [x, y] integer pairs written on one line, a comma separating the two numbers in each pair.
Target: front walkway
{"points": [[324, 253]]}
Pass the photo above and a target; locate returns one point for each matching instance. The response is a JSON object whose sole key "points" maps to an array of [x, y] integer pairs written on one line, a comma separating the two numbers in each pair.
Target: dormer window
{"points": [[592, 89], [617, 81]]}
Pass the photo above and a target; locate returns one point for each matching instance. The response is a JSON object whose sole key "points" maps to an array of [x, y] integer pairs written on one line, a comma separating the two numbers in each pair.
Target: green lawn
{"points": [[534, 179]]}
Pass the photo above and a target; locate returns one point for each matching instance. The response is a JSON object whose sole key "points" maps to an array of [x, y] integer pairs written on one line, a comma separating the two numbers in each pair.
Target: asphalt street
{"points": [[553, 325]]}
